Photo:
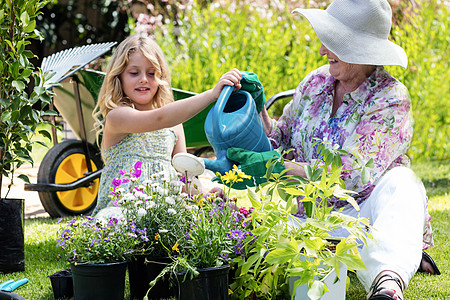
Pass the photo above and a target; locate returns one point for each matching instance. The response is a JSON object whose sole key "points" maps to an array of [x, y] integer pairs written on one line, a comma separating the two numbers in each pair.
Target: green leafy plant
{"points": [[18, 112], [85, 240], [288, 246]]}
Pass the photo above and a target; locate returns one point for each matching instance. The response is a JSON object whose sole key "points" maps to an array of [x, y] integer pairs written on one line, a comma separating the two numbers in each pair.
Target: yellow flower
{"points": [[230, 177], [157, 237], [175, 247], [200, 202], [240, 174]]}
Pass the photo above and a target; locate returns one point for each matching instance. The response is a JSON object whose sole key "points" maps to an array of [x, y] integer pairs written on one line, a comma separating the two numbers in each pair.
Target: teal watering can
{"points": [[233, 121]]}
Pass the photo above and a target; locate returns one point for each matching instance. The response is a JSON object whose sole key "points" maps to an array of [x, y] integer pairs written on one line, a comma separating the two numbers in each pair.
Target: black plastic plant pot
{"points": [[144, 268], [62, 284], [210, 284], [99, 281], [12, 254]]}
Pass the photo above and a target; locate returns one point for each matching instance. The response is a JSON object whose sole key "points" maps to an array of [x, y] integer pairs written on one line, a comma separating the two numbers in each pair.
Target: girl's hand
{"points": [[230, 78]]}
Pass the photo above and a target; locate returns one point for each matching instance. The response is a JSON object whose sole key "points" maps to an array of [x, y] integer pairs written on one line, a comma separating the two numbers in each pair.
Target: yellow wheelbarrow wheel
{"points": [[65, 163], [74, 167]]}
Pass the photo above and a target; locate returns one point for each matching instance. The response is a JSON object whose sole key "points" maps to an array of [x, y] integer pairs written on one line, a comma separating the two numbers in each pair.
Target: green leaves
{"points": [[18, 117]]}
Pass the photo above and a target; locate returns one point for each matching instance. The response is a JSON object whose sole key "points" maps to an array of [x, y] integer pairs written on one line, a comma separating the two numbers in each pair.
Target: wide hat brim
{"points": [[352, 46]]}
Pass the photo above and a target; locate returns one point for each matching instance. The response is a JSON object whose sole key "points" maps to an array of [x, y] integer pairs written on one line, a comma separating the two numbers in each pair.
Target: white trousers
{"points": [[396, 209]]}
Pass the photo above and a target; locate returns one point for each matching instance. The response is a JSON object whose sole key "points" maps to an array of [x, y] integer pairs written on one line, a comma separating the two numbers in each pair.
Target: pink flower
{"points": [[116, 182]]}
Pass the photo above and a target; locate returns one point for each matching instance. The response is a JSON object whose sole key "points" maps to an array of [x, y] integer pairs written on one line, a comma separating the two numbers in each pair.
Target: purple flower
{"points": [[224, 256], [64, 236], [236, 234], [137, 170], [113, 222], [122, 172], [116, 182], [238, 249], [126, 180]]}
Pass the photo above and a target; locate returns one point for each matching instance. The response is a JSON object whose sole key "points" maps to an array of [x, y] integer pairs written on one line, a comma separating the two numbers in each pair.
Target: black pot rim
{"points": [[222, 267], [77, 264]]}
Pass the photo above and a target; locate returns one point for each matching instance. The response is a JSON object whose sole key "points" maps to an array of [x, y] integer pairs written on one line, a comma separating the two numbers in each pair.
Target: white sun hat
{"points": [[357, 31]]}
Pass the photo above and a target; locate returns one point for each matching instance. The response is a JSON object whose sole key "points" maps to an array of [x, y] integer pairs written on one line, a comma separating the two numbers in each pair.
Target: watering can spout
{"points": [[222, 164], [233, 121]]}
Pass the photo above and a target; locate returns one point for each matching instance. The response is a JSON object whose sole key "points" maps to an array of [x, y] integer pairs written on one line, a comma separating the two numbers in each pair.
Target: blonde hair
{"points": [[111, 92]]}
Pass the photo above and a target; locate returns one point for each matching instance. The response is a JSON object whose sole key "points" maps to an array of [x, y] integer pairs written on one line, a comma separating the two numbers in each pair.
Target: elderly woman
{"points": [[355, 103]]}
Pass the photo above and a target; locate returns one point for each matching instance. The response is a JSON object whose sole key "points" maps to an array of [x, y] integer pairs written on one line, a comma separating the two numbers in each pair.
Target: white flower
{"points": [[172, 211], [141, 212], [141, 187], [191, 207], [163, 231], [147, 182], [138, 202], [176, 183], [139, 194], [161, 191], [150, 204], [128, 197], [170, 200], [120, 190]]}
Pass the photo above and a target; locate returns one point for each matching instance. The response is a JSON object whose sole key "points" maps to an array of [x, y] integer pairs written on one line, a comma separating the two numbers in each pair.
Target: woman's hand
{"points": [[230, 78]]}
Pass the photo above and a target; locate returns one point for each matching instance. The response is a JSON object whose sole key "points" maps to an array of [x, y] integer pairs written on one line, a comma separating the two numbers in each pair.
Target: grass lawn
{"points": [[41, 253]]}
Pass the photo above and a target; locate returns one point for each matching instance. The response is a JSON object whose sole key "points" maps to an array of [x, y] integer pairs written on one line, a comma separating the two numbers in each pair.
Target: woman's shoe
{"points": [[376, 288], [432, 269]]}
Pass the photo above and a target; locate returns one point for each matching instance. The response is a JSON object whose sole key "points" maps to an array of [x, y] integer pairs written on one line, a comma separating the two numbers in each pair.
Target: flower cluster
{"points": [[217, 233], [85, 240], [157, 208]]}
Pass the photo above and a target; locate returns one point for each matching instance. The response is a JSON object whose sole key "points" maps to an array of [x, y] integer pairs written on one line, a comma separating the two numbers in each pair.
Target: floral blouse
{"points": [[374, 121]]}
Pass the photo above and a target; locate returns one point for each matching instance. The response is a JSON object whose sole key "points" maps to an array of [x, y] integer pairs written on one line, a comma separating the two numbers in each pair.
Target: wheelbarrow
{"points": [[69, 174]]}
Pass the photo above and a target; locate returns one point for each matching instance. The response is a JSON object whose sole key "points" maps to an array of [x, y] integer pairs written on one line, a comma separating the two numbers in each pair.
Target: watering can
{"points": [[233, 121]]}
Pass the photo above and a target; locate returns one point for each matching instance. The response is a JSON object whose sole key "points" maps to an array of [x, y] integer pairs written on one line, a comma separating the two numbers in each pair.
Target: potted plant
{"points": [[97, 251], [19, 117], [300, 248], [160, 215], [217, 233]]}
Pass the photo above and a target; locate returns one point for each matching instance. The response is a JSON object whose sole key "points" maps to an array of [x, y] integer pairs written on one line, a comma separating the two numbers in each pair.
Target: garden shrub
{"points": [[209, 39]]}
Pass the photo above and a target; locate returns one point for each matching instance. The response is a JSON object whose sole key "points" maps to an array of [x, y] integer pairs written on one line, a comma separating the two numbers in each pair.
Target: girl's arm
{"points": [[125, 120], [180, 146]]}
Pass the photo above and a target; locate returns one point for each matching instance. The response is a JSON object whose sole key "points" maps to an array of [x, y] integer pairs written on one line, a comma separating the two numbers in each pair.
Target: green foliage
{"points": [[288, 246], [41, 254], [280, 48], [19, 117], [207, 40], [426, 40]]}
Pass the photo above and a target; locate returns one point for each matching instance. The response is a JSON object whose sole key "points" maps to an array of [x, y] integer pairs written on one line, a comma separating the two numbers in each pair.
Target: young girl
{"points": [[137, 115]]}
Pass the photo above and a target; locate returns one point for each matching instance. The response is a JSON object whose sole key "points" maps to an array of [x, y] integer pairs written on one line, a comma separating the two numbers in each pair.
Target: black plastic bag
{"points": [[12, 254]]}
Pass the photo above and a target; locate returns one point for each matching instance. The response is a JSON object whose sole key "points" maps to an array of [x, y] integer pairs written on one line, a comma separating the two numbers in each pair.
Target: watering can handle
{"points": [[221, 102]]}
